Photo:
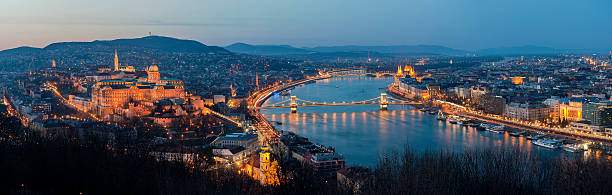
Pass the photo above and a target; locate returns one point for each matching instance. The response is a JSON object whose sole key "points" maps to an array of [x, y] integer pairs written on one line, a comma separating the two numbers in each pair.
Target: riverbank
{"points": [[463, 112]]}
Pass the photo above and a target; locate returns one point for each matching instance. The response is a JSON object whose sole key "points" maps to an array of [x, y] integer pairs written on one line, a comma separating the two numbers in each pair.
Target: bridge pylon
{"points": [[293, 104], [383, 101]]}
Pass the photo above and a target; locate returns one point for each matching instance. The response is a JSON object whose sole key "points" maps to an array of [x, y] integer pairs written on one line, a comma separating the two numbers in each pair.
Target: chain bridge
{"points": [[383, 101]]}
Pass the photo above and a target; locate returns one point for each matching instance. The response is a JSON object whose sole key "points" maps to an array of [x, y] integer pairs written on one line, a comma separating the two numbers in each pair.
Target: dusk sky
{"points": [[462, 24]]}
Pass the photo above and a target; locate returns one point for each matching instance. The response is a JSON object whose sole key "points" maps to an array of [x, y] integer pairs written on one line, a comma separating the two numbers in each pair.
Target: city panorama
{"points": [[313, 97]]}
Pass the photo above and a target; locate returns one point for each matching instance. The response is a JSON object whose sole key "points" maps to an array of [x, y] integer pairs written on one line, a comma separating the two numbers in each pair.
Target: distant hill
{"points": [[519, 50], [82, 52], [167, 44], [397, 49], [265, 49], [277, 50], [20, 50]]}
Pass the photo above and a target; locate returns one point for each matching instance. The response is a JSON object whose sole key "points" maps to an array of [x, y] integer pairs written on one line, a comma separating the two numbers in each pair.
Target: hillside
{"points": [[140, 49], [397, 49], [265, 49], [160, 43]]}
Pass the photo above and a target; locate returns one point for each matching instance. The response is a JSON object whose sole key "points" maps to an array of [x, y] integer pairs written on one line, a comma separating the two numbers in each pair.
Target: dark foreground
{"points": [[33, 165], [64, 167]]}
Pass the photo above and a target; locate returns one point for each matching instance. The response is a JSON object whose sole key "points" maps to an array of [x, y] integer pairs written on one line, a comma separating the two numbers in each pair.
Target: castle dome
{"points": [[153, 68]]}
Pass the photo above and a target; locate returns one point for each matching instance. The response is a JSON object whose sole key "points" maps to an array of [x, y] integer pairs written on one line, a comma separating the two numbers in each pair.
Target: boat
{"points": [[424, 109], [433, 112], [453, 120], [517, 134], [474, 124], [547, 143], [460, 122], [573, 148], [495, 128], [441, 115], [482, 126], [535, 137]]}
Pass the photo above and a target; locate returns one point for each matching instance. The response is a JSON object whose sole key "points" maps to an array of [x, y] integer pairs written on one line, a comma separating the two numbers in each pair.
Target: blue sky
{"points": [[463, 24]]}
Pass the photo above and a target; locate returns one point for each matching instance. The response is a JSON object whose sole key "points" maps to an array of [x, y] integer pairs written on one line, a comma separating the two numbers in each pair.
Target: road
{"points": [[262, 125]]}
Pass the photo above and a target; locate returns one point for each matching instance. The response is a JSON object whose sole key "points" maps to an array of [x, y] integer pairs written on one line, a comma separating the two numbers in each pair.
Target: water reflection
{"points": [[363, 132]]}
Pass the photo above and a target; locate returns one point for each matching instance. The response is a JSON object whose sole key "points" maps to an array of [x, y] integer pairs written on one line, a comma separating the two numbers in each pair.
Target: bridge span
{"points": [[383, 101], [269, 133]]}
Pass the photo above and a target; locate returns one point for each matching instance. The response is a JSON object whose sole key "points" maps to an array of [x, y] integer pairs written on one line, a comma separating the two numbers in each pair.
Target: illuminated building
{"points": [[493, 104], [476, 92], [116, 61], [570, 110], [598, 113], [269, 167], [517, 80], [527, 111], [246, 140], [235, 147], [321, 159], [422, 61], [118, 67], [109, 96], [263, 167], [399, 71], [41, 107], [409, 70]]}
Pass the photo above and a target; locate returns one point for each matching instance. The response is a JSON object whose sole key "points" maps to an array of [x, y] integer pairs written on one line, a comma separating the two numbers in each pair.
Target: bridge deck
{"points": [[337, 104]]}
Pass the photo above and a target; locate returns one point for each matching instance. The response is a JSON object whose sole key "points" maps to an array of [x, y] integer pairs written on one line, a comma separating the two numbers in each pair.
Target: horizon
{"points": [[309, 47], [465, 25]]}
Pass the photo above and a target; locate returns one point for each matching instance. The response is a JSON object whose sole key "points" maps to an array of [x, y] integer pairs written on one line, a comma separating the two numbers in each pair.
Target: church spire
{"points": [[116, 61], [399, 70]]}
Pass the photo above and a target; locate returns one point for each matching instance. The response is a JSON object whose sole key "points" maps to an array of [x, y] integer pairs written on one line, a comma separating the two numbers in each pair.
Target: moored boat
{"points": [[547, 143], [517, 134], [535, 137], [441, 115], [460, 122], [474, 124], [453, 120], [495, 128], [573, 148]]}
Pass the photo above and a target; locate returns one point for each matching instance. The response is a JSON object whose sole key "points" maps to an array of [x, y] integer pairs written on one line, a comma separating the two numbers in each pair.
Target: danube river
{"points": [[362, 133]]}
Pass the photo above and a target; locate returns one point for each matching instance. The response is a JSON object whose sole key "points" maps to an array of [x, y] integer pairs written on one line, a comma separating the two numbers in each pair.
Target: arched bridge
{"points": [[383, 100], [358, 72]]}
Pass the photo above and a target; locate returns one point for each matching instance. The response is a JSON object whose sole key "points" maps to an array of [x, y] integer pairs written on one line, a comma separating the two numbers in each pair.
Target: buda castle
{"points": [[132, 95]]}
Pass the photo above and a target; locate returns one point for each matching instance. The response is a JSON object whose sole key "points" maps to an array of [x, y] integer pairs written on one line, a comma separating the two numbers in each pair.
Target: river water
{"points": [[362, 133]]}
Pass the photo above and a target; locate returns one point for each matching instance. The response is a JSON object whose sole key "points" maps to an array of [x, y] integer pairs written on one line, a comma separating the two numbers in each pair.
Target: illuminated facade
{"points": [[269, 168], [527, 111], [109, 96], [517, 80], [570, 111], [264, 169], [118, 67]]}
